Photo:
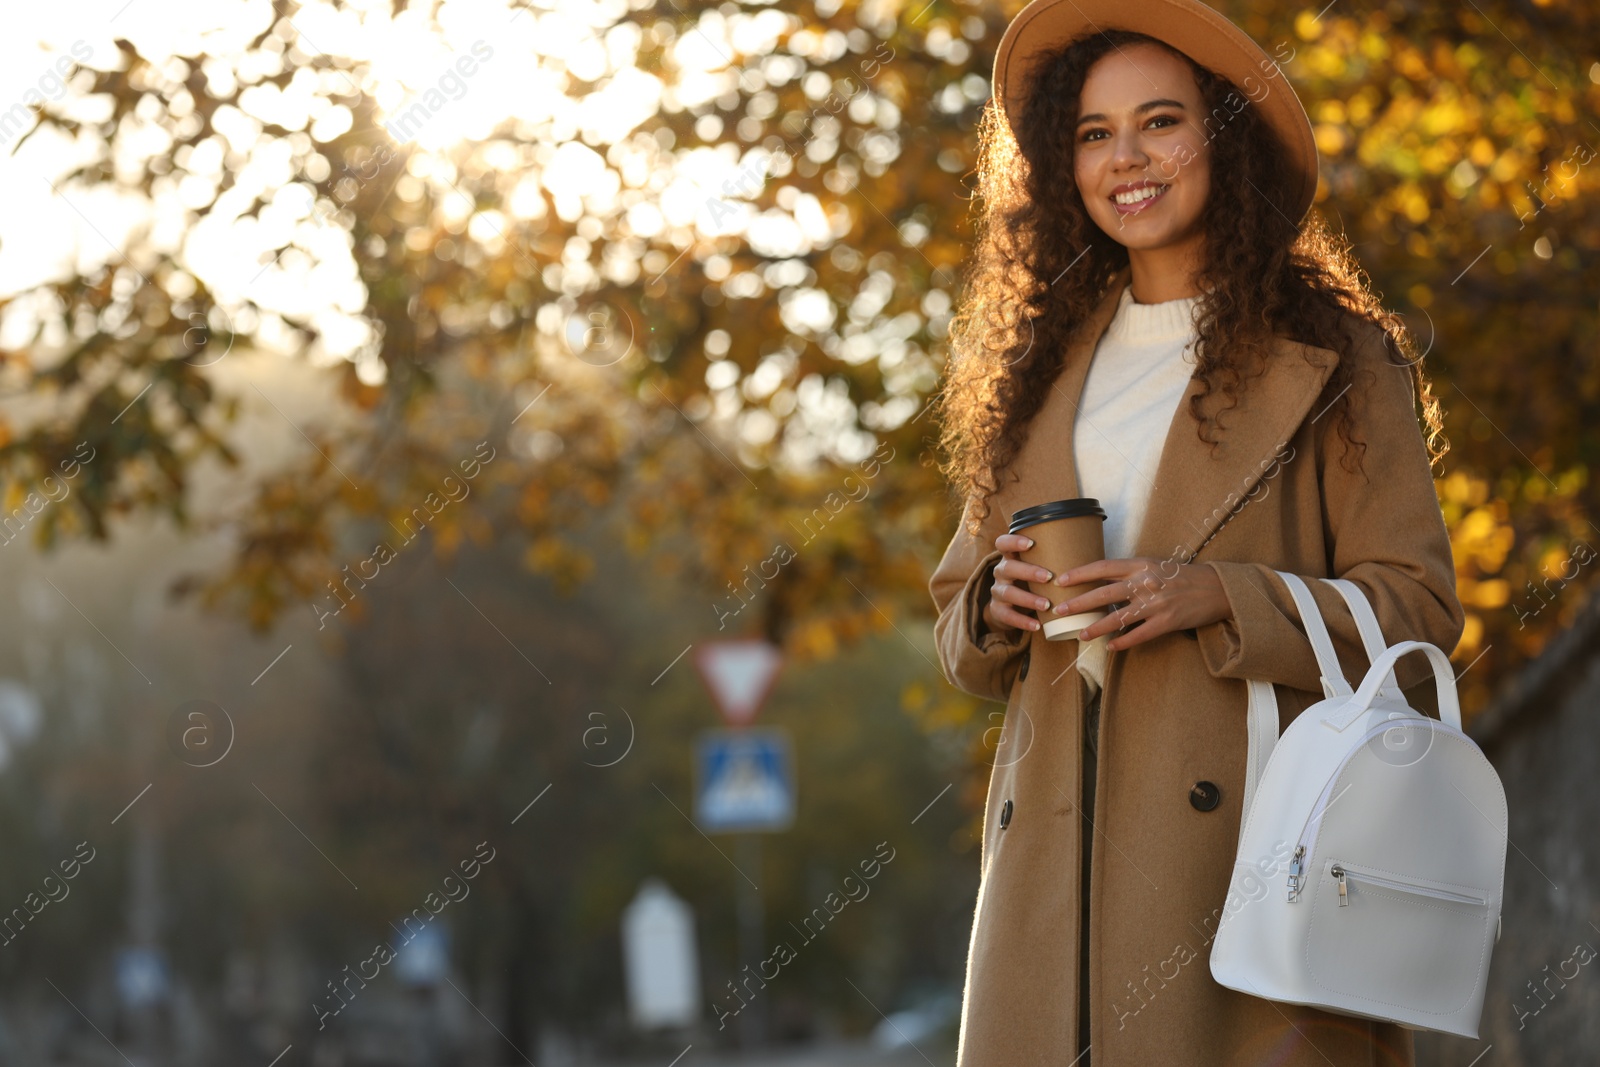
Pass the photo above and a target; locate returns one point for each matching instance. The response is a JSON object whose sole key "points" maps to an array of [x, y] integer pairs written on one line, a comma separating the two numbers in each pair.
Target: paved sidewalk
{"points": [[860, 1054]]}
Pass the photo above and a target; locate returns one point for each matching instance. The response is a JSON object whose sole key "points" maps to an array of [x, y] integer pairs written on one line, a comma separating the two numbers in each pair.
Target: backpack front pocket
{"points": [[1388, 938]]}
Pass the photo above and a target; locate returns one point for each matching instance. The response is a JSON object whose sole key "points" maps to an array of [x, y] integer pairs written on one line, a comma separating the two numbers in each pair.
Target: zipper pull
{"points": [[1294, 874], [1344, 895]]}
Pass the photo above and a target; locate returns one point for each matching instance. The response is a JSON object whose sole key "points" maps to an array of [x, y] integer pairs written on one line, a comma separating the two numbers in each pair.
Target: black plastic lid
{"points": [[1076, 507]]}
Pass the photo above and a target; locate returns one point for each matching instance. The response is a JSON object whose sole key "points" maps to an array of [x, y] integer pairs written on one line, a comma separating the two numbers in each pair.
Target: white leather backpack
{"points": [[1372, 850]]}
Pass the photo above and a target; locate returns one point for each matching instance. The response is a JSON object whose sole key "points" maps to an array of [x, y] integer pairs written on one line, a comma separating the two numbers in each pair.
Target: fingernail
{"points": [[1029, 540]]}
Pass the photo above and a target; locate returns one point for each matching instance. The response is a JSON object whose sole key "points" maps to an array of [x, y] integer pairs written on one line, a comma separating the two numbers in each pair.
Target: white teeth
{"points": [[1139, 194]]}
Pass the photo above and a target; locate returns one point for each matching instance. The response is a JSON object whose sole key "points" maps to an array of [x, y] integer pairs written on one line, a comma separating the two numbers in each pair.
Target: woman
{"points": [[1152, 318]]}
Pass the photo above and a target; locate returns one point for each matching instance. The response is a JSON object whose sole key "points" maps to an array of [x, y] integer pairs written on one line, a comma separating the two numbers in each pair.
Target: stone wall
{"points": [[1543, 737]]}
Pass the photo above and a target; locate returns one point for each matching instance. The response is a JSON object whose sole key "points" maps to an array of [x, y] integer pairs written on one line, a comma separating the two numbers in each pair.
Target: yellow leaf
{"points": [[1494, 593], [1307, 26]]}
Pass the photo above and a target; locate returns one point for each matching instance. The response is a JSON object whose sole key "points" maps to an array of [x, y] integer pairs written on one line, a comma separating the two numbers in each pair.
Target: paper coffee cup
{"points": [[1066, 534]]}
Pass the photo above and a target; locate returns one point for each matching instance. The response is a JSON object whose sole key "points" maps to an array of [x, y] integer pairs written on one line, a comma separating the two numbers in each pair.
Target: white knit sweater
{"points": [[1139, 372]]}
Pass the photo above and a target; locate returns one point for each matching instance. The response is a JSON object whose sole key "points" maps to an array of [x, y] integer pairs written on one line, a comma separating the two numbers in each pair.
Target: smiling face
{"points": [[1142, 161]]}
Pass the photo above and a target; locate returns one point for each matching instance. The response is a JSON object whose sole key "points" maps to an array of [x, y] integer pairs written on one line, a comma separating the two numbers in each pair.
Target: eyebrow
{"points": [[1148, 105]]}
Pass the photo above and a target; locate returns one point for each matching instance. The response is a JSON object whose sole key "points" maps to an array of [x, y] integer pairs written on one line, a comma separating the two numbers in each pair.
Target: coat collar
{"points": [[1194, 492]]}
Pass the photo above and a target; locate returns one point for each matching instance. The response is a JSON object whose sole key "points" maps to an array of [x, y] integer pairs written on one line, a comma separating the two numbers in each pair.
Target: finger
{"points": [[1098, 628], [1100, 597], [1007, 542], [1117, 624], [1113, 621], [1021, 597], [1009, 617], [1132, 614], [1016, 570], [1148, 630], [1099, 570]]}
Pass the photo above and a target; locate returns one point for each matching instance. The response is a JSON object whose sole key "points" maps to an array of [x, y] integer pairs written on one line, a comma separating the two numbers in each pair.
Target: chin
{"points": [[1146, 240], [1139, 236]]}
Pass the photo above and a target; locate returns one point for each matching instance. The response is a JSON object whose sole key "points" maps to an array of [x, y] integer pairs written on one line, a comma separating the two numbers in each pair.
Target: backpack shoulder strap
{"points": [[1261, 714], [1261, 717], [1333, 679], [1371, 632], [1261, 725]]}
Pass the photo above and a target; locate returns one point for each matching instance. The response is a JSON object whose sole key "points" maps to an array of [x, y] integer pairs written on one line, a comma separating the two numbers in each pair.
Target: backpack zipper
{"points": [[1343, 871], [1306, 846]]}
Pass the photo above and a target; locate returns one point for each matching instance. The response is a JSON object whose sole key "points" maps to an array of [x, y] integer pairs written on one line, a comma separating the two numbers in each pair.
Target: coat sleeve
{"points": [[982, 663], [1384, 532]]}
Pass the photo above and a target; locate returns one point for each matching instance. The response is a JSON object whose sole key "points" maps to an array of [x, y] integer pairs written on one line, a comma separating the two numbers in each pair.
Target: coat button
{"points": [[1005, 814], [1204, 796], [1025, 658]]}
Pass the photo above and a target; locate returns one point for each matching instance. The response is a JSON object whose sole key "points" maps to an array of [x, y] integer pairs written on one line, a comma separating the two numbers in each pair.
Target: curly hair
{"points": [[1040, 265]]}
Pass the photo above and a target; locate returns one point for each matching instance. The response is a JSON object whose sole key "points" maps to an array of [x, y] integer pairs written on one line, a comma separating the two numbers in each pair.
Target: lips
{"points": [[1139, 205]]}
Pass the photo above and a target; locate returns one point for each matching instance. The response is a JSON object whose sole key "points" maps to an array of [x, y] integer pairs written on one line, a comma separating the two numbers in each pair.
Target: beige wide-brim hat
{"points": [[1199, 32]]}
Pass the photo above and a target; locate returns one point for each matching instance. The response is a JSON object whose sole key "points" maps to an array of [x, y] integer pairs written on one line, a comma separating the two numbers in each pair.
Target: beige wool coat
{"points": [[1274, 497]]}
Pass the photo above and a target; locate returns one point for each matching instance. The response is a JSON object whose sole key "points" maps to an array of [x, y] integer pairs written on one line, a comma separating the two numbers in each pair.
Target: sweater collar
{"points": [[1139, 323]]}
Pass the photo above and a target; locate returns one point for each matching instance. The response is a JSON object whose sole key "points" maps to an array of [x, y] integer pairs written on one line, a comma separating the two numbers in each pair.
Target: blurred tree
{"points": [[704, 273]]}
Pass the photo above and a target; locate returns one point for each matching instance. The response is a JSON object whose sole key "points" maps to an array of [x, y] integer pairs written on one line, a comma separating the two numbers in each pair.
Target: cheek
{"points": [[1199, 162], [1193, 179], [1200, 186], [1089, 160], [1086, 174], [1188, 161]]}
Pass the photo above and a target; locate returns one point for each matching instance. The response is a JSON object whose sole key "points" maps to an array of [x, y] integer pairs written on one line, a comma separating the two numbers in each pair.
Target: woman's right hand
{"points": [[1005, 607]]}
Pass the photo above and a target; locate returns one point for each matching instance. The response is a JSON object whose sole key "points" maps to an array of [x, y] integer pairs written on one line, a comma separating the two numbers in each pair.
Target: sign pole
{"points": [[746, 787], [752, 1030]]}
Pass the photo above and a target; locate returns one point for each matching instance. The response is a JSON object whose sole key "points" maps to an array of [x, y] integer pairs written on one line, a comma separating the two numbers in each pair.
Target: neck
{"points": [[1165, 273]]}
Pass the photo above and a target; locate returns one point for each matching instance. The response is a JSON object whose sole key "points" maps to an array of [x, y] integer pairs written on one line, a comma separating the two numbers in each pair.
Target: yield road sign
{"points": [[740, 675]]}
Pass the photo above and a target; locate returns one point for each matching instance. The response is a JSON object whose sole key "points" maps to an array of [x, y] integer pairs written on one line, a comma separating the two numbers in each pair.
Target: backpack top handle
{"points": [[1444, 678]]}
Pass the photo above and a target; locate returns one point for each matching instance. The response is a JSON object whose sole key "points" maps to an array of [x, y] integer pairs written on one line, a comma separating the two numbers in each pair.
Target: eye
{"points": [[1164, 120]]}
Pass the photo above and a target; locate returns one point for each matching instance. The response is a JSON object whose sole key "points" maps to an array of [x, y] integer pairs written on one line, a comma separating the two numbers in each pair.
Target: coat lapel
{"points": [[1194, 492], [1047, 463]]}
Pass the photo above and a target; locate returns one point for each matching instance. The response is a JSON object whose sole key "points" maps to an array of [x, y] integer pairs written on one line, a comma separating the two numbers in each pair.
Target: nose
{"points": [[1127, 152]]}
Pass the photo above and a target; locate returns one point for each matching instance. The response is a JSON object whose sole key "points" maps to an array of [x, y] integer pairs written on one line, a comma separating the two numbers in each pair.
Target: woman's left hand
{"points": [[1158, 597]]}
